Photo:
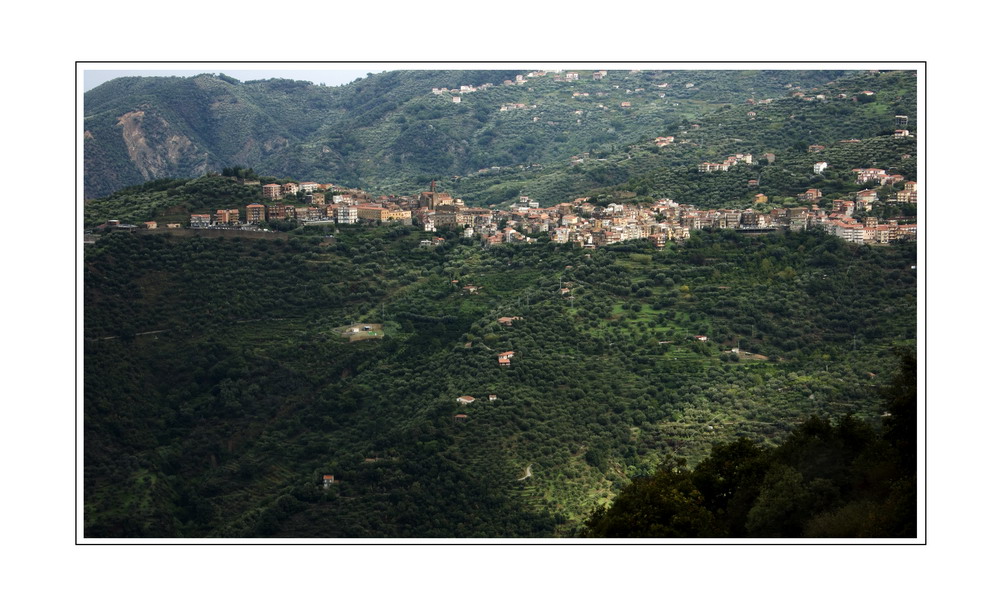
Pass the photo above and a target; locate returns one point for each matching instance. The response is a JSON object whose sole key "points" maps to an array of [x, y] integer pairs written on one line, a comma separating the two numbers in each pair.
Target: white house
{"points": [[347, 214]]}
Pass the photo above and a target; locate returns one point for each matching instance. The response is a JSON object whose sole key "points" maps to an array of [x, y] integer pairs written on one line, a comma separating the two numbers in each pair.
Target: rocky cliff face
{"points": [[136, 146], [155, 149], [138, 129]]}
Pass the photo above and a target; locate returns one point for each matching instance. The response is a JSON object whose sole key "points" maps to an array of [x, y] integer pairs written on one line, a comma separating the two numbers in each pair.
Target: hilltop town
{"points": [[580, 222]]}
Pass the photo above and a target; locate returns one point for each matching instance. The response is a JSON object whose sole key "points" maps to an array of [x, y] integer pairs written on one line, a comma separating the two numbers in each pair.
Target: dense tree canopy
{"points": [[849, 479], [390, 133], [219, 389]]}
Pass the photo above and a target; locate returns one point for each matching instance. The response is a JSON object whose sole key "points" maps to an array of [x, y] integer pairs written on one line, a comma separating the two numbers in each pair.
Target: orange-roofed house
{"points": [[272, 191], [870, 174], [255, 213], [227, 216], [866, 196], [810, 195], [200, 220]]}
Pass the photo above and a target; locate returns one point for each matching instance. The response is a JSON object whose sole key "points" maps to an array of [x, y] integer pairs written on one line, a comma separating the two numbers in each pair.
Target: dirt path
{"points": [[136, 334], [527, 473]]}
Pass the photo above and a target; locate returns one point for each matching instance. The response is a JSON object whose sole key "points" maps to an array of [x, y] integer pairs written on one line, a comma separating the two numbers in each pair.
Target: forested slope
{"points": [[846, 480], [389, 132], [218, 389]]}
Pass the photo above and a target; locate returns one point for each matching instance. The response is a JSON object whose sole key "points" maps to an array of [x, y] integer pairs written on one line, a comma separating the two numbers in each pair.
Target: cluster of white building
{"points": [[579, 222], [730, 161]]}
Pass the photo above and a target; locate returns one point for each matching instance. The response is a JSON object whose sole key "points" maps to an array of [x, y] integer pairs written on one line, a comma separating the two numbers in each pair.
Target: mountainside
{"points": [[592, 359], [786, 127], [391, 131], [221, 385]]}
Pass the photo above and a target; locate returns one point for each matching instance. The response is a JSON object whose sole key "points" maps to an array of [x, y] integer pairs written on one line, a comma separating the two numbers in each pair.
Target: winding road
{"points": [[527, 473]]}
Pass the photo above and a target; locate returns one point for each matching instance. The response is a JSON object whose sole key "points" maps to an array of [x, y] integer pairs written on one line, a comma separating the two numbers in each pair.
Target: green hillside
{"points": [[847, 480], [219, 389], [228, 372], [785, 127], [389, 131]]}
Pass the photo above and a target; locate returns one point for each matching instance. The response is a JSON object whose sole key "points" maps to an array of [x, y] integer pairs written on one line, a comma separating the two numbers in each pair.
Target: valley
{"points": [[437, 309]]}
